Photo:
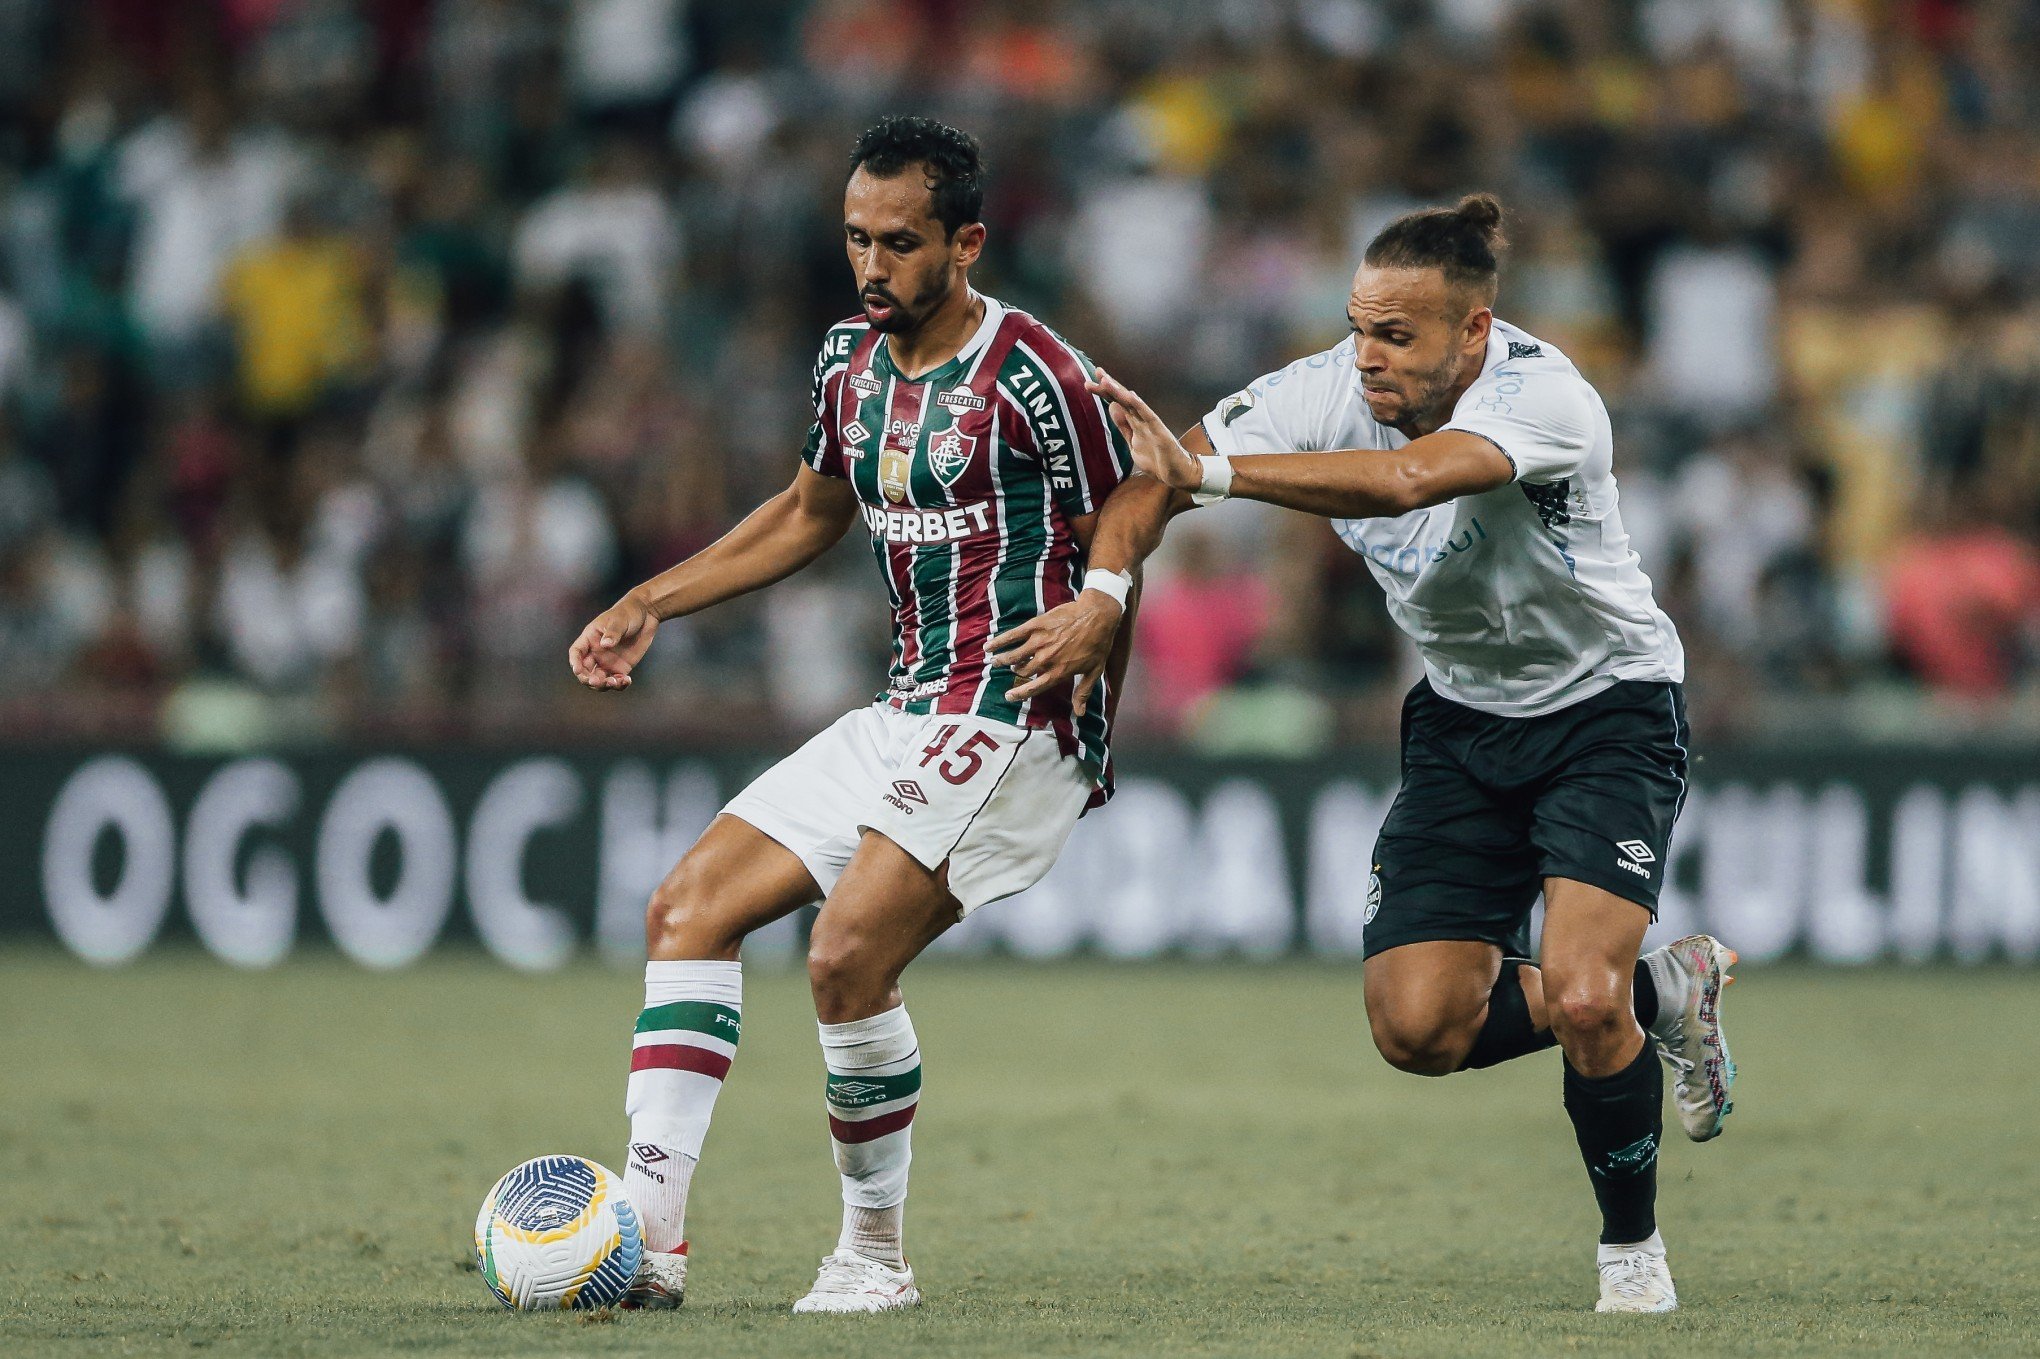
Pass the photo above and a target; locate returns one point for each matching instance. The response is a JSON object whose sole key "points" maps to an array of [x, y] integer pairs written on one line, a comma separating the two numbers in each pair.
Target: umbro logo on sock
{"points": [[646, 1151]]}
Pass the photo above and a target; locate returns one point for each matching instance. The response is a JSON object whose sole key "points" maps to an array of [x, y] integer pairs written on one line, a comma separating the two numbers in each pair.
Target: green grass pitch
{"points": [[1160, 1160]]}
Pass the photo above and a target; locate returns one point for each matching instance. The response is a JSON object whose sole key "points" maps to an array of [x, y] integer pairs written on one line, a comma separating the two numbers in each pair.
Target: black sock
{"points": [[1617, 1120], [1645, 995], [1507, 1032]]}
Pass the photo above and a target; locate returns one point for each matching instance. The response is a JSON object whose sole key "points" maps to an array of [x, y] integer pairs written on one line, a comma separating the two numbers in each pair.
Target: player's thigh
{"points": [[1428, 997], [1604, 814], [1454, 860], [1588, 952], [989, 802], [884, 910], [734, 880], [811, 801]]}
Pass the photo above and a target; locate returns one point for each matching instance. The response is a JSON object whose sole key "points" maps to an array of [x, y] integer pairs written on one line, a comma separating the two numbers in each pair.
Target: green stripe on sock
{"points": [[861, 1092], [702, 1016]]}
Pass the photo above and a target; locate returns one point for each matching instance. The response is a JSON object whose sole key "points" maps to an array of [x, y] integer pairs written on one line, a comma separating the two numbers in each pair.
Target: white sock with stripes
{"points": [[686, 1035], [874, 1088]]}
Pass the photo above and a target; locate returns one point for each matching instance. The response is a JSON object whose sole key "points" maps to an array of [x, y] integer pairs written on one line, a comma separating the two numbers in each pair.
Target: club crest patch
{"points": [[949, 455]]}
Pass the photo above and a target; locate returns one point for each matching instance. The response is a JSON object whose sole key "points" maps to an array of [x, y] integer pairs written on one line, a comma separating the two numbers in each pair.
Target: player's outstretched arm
{"points": [[1354, 483], [774, 541]]}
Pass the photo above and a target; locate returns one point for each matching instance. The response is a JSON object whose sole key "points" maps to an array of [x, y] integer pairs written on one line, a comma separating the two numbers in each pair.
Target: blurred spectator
{"points": [[352, 352], [611, 230], [1200, 620], [1965, 607]]}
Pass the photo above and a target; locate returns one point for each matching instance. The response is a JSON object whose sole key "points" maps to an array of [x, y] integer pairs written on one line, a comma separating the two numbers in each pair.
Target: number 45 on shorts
{"points": [[966, 760]]}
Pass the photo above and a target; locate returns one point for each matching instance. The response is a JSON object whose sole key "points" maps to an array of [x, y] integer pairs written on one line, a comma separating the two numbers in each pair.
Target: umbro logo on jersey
{"points": [[1638, 854], [866, 383], [855, 433], [1519, 350], [960, 399]]}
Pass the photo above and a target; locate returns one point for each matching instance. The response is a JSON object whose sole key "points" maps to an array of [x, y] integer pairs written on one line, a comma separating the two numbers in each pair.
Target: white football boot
{"points": [[850, 1282], [1635, 1280], [661, 1281], [1690, 974]]}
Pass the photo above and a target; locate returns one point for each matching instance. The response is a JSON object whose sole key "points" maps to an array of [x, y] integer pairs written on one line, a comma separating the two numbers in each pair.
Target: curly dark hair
{"points": [[950, 159], [1465, 241]]}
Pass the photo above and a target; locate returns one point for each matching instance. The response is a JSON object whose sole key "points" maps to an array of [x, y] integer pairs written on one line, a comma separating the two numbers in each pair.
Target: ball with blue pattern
{"points": [[557, 1232]]}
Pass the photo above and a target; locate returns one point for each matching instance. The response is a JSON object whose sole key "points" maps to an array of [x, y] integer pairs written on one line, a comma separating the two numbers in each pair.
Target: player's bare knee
{"points": [[1422, 1047], [847, 977], [1588, 1011], [680, 920]]}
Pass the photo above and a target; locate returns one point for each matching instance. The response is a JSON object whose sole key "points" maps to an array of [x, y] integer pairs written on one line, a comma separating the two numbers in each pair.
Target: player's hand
{"points": [[603, 656], [1070, 641], [1155, 450]]}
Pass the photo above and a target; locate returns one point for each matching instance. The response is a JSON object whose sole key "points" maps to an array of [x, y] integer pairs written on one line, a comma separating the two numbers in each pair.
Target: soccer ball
{"points": [[557, 1232]]}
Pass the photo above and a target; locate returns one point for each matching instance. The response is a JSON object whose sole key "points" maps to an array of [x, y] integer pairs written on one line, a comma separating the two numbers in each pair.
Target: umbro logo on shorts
{"points": [[1638, 854], [905, 791]]}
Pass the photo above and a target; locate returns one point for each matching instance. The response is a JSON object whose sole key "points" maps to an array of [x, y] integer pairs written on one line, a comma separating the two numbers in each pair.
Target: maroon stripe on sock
{"points": [[871, 1129], [679, 1057]]}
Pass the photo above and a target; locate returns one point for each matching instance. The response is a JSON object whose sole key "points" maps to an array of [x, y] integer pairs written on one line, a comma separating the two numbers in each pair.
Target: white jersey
{"points": [[1523, 599]]}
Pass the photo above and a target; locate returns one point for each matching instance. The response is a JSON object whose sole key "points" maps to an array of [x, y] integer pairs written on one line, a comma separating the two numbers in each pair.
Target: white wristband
{"points": [[1216, 482], [1112, 583]]}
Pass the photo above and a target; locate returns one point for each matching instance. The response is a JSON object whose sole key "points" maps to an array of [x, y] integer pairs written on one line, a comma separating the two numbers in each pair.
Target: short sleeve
{"points": [[1102, 458], [1280, 412], [1542, 421], [823, 450]]}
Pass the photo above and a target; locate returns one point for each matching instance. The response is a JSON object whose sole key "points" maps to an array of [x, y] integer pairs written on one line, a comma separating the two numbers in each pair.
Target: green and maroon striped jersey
{"points": [[968, 478]]}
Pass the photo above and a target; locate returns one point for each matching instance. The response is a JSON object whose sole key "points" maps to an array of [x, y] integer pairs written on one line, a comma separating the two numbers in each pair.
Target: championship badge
{"points": [[892, 472], [949, 455]]}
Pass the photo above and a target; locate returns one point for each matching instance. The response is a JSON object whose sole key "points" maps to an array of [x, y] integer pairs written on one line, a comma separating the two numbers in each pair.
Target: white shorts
{"points": [[994, 801]]}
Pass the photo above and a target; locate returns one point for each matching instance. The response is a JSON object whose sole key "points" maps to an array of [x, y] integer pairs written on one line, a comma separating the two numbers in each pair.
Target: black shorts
{"points": [[1492, 806]]}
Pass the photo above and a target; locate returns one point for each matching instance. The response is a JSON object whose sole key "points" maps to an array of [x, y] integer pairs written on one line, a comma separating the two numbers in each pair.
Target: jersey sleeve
{"points": [[1542, 421], [1101, 458], [1286, 411], [823, 450]]}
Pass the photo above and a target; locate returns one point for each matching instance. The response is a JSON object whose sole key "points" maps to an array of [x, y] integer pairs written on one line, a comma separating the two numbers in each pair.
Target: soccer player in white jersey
{"points": [[959, 434], [1545, 748]]}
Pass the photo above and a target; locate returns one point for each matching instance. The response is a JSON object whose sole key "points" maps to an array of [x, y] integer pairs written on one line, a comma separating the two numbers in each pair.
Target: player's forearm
{"points": [[1360, 483], [1122, 650], [774, 541], [1131, 524]]}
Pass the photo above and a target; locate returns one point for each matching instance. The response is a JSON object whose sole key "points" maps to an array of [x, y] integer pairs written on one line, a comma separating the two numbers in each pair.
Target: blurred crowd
{"points": [[353, 352]]}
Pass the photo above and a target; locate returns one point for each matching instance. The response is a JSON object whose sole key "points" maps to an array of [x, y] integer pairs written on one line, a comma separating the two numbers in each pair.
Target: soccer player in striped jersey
{"points": [[958, 432]]}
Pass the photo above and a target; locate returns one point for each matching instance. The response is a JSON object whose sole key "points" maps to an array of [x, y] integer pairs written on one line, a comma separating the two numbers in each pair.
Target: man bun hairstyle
{"points": [[949, 158], [1466, 242]]}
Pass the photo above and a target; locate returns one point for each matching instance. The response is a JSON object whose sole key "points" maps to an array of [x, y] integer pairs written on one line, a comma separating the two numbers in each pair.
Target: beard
{"points": [[900, 317], [1420, 400]]}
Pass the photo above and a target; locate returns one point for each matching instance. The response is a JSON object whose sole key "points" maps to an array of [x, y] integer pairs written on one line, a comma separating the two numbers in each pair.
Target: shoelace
{"points": [[848, 1274], [1629, 1275]]}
